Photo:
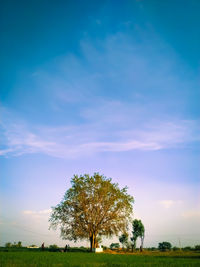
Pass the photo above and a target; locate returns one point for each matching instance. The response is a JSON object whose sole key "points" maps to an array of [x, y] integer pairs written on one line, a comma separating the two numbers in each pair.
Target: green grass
{"points": [[50, 259]]}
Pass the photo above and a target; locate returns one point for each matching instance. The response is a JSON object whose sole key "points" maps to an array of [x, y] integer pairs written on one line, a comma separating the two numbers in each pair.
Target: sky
{"points": [[100, 86]]}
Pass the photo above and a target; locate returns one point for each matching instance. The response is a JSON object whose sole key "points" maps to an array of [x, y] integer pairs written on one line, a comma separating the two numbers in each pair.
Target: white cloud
{"points": [[169, 203], [5, 151]]}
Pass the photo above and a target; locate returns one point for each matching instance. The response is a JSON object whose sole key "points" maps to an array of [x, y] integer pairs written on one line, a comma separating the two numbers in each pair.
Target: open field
{"points": [[50, 259]]}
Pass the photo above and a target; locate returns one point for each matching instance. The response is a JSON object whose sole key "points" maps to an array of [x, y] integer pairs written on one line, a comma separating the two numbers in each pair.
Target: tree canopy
{"points": [[124, 239], [92, 207], [138, 231], [164, 246]]}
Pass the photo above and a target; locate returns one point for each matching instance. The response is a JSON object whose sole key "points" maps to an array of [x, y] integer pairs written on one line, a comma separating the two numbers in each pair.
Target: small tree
{"points": [[8, 245], [92, 207], [164, 246], [19, 244], [138, 231], [124, 240], [14, 245]]}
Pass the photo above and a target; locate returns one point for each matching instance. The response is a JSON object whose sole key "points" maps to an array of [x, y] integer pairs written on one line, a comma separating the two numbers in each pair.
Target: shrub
{"points": [[8, 245], [53, 247], [114, 245], [19, 244], [187, 248], [152, 249], [164, 246], [197, 248], [175, 248]]}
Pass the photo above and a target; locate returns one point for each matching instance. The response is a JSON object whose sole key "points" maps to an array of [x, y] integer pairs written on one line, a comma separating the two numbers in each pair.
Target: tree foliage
{"points": [[197, 248], [19, 244], [92, 207], [8, 245], [53, 247], [124, 239], [138, 231], [164, 246], [114, 245], [14, 245]]}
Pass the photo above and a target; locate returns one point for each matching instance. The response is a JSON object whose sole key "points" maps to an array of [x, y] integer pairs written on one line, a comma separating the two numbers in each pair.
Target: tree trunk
{"points": [[92, 242], [133, 245], [142, 242]]}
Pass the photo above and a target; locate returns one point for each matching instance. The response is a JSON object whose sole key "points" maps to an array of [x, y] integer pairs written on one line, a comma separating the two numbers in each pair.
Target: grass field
{"points": [[36, 259]]}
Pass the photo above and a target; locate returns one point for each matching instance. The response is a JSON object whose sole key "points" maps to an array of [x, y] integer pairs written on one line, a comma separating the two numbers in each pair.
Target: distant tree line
{"points": [[13, 245], [163, 246]]}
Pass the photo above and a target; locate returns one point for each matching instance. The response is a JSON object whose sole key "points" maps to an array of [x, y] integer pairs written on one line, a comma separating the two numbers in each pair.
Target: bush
{"points": [[152, 249], [164, 246], [19, 244], [187, 248], [114, 245], [8, 245], [197, 248], [53, 248], [77, 249]]}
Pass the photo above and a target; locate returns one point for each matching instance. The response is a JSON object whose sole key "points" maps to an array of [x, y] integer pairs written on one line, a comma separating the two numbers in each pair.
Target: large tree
{"points": [[92, 207]]}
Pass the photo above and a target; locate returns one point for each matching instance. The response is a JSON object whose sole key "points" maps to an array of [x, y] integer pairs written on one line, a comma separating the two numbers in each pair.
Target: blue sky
{"points": [[100, 86]]}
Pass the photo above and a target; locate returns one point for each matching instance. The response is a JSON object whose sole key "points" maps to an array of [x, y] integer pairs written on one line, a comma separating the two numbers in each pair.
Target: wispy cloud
{"points": [[109, 99], [40, 212], [74, 141]]}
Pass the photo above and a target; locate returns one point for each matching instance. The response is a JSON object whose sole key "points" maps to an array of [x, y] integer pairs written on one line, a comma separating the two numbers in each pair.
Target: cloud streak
{"points": [[75, 141], [40, 212]]}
